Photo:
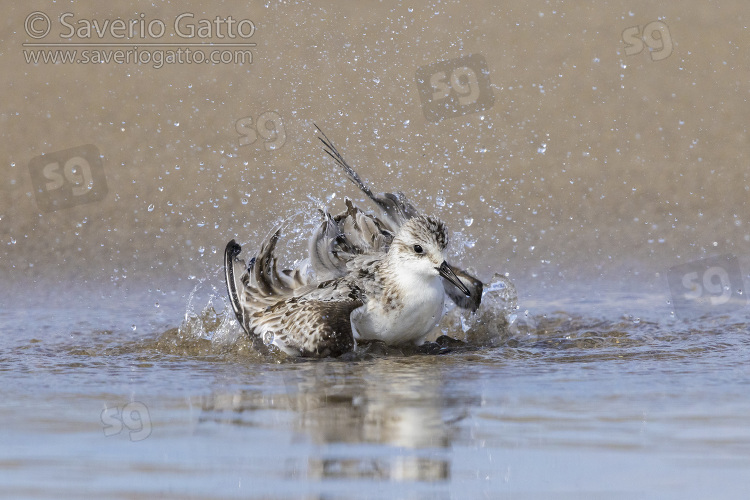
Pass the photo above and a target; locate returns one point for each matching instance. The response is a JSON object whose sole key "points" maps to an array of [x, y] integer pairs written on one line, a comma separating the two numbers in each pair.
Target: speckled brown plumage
{"points": [[366, 277]]}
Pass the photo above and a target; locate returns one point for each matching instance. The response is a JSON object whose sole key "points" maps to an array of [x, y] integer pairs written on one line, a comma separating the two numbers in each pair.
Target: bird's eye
{"points": [[418, 249]]}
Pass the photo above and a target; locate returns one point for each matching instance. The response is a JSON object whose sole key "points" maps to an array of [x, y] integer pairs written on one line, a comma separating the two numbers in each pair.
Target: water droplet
{"points": [[542, 148], [151, 208], [134, 327], [268, 338], [440, 199], [469, 221]]}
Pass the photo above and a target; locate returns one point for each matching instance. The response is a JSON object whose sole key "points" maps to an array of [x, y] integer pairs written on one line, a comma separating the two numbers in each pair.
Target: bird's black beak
{"points": [[447, 273]]}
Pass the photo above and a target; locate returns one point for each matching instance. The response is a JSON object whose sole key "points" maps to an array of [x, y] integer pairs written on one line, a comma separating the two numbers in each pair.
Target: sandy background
{"points": [[590, 166]]}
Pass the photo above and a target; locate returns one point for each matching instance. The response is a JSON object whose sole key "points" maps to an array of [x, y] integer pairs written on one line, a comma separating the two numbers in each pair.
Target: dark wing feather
{"points": [[231, 263], [397, 208]]}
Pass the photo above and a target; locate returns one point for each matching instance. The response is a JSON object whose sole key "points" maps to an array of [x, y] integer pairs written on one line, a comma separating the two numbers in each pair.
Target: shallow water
{"points": [[562, 405], [606, 174]]}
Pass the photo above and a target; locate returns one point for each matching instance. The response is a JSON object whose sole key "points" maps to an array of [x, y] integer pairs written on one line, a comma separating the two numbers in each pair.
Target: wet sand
{"points": [[590, 163]]}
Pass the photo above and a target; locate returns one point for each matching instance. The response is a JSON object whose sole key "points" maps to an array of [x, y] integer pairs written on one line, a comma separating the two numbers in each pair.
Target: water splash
{"points": [[493, 323], [204, 321]]}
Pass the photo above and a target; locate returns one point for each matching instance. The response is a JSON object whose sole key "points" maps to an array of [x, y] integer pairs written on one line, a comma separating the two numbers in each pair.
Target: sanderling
{"points": [[366, 278]]}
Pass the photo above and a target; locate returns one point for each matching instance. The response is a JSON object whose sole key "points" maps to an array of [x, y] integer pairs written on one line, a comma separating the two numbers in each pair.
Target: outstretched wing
{"points": [[282, 308], [260, 284]]}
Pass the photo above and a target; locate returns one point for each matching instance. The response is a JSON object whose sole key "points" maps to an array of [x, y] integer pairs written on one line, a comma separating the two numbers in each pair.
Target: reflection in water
{"points": [[401, 403], [404, 468], [556, 381], [563, 396]]}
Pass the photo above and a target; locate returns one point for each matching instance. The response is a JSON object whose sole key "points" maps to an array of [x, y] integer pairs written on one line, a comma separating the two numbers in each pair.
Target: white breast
{"points": [[419, 311]]}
